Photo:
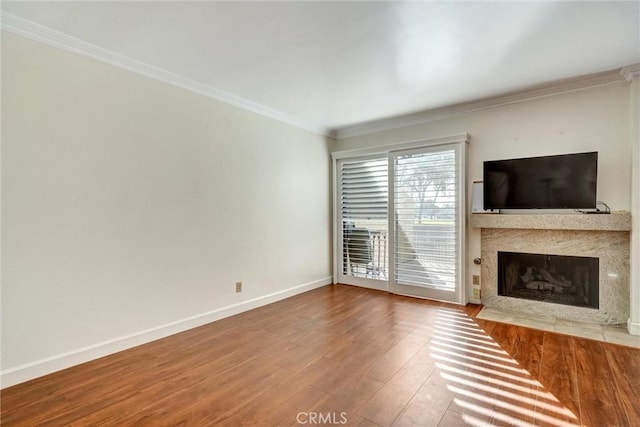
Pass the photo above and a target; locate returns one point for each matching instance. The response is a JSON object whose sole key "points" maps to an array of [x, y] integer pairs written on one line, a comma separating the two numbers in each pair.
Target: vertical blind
{"points": [[425, 192]]}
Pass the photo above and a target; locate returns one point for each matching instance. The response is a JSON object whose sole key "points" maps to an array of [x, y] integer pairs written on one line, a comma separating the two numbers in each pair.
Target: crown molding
{"points": [[630, 72], [33, 31], [40, 33], [457, 110], [404, 145]]}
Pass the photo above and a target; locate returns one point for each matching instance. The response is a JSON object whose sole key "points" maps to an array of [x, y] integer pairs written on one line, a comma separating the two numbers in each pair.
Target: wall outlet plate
{"points": [[238, 286], [476, 293], [475, 280]]}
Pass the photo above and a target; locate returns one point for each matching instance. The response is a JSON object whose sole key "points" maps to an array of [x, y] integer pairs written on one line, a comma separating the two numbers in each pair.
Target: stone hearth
{"points": [[605, 237]]}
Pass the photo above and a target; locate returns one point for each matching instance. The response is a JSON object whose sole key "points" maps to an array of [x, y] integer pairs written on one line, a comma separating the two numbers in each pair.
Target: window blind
{"points": [[364, 211], [364, 192], [425, 191]]}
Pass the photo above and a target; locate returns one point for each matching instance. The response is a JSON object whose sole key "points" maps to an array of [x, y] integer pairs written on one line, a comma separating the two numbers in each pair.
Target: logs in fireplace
{"points": [[556, 279]]}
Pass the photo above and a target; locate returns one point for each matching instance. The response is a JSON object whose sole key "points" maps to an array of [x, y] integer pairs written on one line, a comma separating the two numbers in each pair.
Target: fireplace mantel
{"points": [[616, 221]]}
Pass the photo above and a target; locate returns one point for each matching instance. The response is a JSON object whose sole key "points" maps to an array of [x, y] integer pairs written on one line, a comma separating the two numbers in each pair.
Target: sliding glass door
{"points": [[364, 207], [426, 212], [400, 221]]}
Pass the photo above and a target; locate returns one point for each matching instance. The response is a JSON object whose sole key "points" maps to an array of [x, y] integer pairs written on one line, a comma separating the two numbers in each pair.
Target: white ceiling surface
{"points": [[336, 64]]}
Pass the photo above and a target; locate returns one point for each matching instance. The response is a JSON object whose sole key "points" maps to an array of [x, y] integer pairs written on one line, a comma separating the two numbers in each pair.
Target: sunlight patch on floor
{"points": [[452, 346], [461, 331], [490, 386], [476, 360], [487, 379], [456, 336], [493, 372]]}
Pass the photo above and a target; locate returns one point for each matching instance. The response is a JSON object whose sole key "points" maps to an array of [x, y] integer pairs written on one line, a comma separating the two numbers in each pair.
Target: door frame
{"points": [[461, 140]]}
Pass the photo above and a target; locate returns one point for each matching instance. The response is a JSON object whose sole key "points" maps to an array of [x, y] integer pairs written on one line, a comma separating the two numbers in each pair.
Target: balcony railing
{"points": [[433, 247], [366, 253]]}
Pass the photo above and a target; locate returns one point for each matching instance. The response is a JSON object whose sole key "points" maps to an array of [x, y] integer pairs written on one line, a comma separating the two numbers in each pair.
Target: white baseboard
{"points": [[633, 327], [65, 360]]}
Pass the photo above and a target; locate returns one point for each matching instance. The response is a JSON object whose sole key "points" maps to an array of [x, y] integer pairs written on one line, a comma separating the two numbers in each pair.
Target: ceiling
{"points": [[337, 64]]}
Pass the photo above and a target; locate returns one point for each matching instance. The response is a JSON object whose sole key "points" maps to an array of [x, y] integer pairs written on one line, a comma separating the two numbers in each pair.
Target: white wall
{"points": [[590, 120], [129, 204]]}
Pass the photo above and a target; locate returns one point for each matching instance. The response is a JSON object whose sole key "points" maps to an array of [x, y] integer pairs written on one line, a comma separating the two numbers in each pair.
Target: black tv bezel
{"points": [[533, 207]]}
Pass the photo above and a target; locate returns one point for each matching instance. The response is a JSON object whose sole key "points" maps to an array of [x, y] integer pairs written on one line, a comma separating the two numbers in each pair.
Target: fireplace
{"points": [[559, 279], [604, 237]]}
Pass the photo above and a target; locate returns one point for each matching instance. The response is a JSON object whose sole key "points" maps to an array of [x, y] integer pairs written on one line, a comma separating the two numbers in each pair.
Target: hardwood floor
{"points": [[342, 355]]}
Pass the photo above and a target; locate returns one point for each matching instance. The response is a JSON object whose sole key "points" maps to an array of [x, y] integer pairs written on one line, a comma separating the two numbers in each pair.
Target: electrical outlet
{"points": [[476, 293], [238, 286], [475, 280]]}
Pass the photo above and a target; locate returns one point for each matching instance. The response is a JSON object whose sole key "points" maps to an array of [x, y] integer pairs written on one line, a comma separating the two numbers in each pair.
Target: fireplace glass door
{"points": [[559, 279]]}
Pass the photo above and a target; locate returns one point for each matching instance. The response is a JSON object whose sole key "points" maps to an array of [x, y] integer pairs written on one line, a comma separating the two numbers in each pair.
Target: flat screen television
{"points": [[566, 181]]}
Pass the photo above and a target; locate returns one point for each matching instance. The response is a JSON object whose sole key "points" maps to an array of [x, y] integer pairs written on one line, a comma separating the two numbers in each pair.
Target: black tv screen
{"points": [[551, 182]]}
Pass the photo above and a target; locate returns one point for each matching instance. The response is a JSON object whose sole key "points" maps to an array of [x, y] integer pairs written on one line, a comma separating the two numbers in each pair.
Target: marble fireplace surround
{"points": [[606, 237]]}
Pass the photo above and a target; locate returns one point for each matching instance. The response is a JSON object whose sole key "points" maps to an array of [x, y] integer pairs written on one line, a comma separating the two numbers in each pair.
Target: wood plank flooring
{"points": [[343, 355]]}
